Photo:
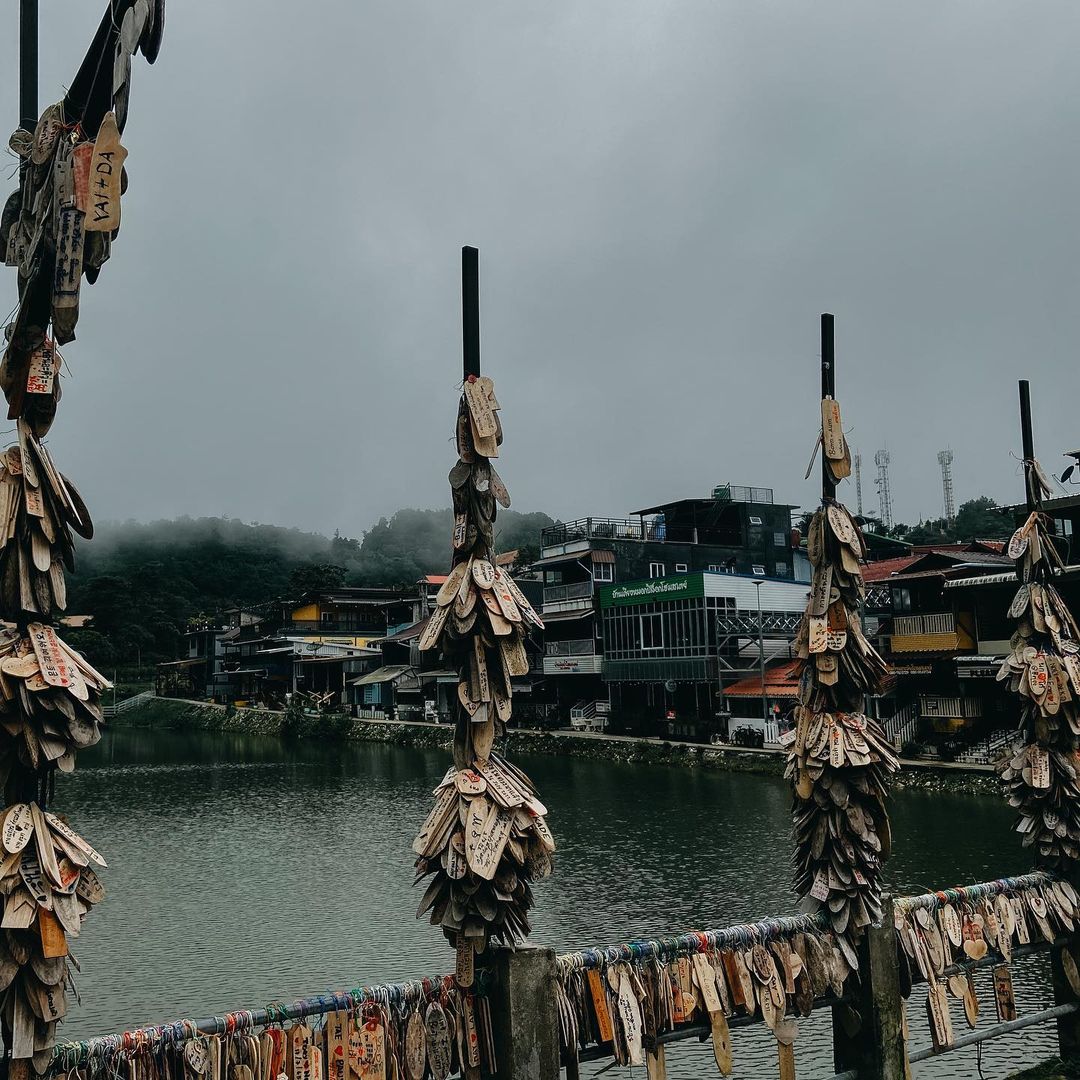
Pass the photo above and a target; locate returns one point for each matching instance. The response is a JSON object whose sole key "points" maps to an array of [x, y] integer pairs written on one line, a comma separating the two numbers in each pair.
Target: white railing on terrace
{"points": [[580, 590], [914, 625], [127, 703], [987, 751], [903, 726], [577, 647], [954, 707]]}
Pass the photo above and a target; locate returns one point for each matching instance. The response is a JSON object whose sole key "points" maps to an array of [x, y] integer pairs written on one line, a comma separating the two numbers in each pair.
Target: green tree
{"points": [[982, 519], [315, 578]]}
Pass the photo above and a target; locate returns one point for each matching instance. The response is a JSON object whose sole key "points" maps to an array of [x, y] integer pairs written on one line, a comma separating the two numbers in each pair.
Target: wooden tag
{"points": [[372, 1051], [832, 433], [445, 805], [1003, 993], [464, 970], [73, 837], [937, 1012], [515, 657], [103, 214], [483, 416], [484, 857], [53, 940], [1039, 760], [600, 1006], [483, 573], [630, 1019], [69, 259], [43, 366], [501, 788], [449, 588], [45, 134], [18, 827], [820, 590], [337, 1046], [721, 1042], [786, 1054], [472, 1037], [706, 982], [436, 621], [51, 659], [415, 1048]]}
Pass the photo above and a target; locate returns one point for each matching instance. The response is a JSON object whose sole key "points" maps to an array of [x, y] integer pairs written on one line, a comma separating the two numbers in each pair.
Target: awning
{"points": [[566, 616], [978, 667], [381, 675], [983, 579], [439, 676], [274, 652], [184, 663], [244, 671], [602, 556]]}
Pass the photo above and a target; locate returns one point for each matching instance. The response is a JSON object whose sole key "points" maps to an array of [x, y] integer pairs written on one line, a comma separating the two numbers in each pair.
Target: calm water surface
{"points": [[244, 870]]}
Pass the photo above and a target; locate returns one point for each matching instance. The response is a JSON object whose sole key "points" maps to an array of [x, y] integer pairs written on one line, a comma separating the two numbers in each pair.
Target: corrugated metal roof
{"points": [[381, 675], [781, 680]]}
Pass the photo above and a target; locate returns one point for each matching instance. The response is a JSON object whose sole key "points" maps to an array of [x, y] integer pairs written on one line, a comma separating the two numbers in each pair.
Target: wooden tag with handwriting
{"points": [[1003, 993], [103, 213]]}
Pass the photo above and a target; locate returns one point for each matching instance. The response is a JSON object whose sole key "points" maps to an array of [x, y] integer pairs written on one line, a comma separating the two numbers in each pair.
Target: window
{"points": [[680, 568], [901, 598], [1063, 526], [716, 568], [759, 571], [779, 539], [603, 571], [553, 577], [783, 570], [657, 569], [756, 521], [652, 631]]}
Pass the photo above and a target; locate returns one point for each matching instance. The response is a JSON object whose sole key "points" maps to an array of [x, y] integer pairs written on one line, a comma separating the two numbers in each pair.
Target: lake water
{"points": [[244, 870]]}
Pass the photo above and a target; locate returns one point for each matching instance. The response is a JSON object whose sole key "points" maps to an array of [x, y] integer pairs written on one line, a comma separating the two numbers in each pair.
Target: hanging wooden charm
{"points": [[486, 839], [1043, 669], [56, 229], [840, 758]]}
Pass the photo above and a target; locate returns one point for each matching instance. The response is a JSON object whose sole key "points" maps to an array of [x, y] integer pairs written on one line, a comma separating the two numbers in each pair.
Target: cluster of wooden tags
{"points": [[486, 838], [838, 757], [49, 885], [484, 841], [60, 222], [940, 940], [627, 1006], [1041, 771], [38, 510], [449, 1035], [49, 699]]}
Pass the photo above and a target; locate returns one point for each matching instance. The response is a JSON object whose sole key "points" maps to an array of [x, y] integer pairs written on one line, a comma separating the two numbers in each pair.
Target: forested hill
{"points": [[144, 582]]}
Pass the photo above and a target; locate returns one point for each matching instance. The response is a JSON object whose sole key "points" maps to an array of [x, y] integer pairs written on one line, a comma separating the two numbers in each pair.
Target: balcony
{"points": [[573, 597], [570, 536], [335, 626], [934, 705], [942, 632], [577, 647]]}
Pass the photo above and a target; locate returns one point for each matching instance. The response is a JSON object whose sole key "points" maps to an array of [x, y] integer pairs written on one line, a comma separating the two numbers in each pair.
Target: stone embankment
{"points": [[175, 714]]}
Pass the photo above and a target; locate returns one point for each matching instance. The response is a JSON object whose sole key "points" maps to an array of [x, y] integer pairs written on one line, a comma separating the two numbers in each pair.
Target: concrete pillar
{"points": [[876, 1049], [523, 1013]]}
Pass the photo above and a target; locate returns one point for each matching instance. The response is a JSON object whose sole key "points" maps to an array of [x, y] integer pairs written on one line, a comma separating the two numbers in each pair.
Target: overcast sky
{"points": [[665, 196]]}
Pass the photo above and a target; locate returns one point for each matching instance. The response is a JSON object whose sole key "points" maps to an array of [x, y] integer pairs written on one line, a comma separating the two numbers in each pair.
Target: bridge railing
{"points": [[541, 1014]]}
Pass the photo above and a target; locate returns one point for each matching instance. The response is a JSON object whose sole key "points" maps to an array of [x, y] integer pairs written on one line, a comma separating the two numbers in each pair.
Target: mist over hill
{"points": [[143, 582]]}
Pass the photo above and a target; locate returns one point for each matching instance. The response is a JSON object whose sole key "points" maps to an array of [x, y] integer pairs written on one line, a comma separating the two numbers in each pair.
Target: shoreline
{"points": [[180, 714]]}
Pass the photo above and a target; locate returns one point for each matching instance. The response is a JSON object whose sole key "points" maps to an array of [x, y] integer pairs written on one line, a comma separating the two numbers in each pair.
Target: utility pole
{"points": [[28, 64], [470, 311], [761, 654], [1029, 446]]}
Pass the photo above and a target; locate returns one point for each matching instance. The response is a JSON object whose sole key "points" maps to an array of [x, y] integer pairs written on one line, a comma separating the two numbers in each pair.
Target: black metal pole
{"points": [[1029, 444], [470, 310], [828, 389], [28, 64]]}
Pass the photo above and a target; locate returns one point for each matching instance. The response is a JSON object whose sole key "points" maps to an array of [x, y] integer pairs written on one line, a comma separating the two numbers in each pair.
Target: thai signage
{"points": [[679, 587]]}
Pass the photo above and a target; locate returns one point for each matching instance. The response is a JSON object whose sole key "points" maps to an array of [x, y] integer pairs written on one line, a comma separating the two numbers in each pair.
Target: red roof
{"points": [[781, 681], [885, 568], [435, 579]]}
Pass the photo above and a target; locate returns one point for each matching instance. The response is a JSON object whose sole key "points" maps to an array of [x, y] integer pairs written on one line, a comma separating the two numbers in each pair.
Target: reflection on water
{"points": [[244, 870]]}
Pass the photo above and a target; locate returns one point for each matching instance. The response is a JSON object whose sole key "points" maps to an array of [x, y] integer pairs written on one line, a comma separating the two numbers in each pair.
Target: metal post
{"points": [[828, 389], [470, 310], [761, 653], [28, 64], [1029, 444]]}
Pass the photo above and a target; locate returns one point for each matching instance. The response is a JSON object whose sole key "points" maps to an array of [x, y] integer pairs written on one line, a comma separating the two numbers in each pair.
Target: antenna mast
{"points": [[945, 460], [881, 460]]}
